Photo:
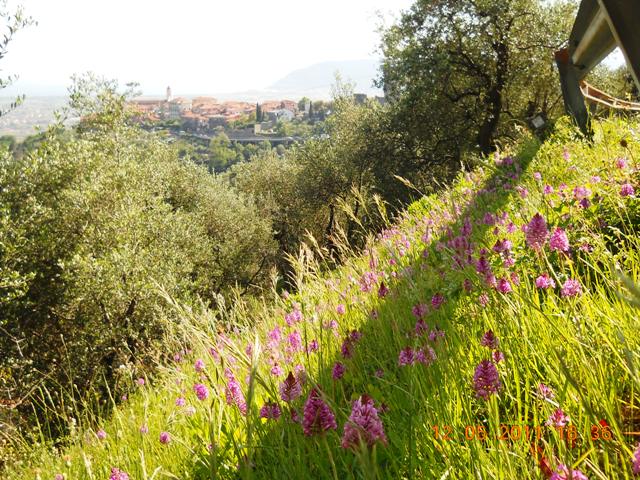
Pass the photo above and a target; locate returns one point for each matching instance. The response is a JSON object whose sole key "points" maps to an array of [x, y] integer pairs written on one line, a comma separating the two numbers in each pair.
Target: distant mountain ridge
{"points": [[321, 76]]}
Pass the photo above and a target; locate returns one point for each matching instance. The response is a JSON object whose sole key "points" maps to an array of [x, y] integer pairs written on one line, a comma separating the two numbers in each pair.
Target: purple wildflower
{"points": [[295, 341], [482, 265], [290, 389], [270, 411], [627, 190], [421, 327], [581, 193], [199, 365], [489, 340], [486, 380], [635, 462], [364, 425], [318, 417], [340, 309], [497, 356], [180, 402], [559, 240], [437, 300], [59, 476], [117, 474], [545, 281], [536, 232], [233, 392], [274, 337], [483, 299], [436, 334], [349, 342], [383, 290], [101, 434], [425, 356], [276, 370], [406, 357], [571, 288], [165, 437], [545, 391], [419, 310], [313, 346], [143, 429], [558, 419], [621, 162], [504, 286], [368, 280], [338, 371], [202, 392], [293, 317]]}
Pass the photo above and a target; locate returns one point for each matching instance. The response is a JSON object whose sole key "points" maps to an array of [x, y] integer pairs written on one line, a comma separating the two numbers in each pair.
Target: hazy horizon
{"points": [[196, 47]]}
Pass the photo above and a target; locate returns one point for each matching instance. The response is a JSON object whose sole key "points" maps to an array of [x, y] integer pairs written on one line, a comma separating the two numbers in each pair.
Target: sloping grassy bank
{"points": [[488, 335]]}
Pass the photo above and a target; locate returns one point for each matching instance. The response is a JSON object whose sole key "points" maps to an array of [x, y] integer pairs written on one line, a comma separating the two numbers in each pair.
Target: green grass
{"points": [[586, 348]]}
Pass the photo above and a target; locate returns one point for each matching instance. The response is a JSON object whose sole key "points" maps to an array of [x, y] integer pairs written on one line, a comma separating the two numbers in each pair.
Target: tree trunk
{"points": [[493, 101]]}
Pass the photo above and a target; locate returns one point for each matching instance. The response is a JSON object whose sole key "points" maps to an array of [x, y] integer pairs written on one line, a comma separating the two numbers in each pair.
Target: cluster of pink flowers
{"points": [[270, 411], [489, 340], [199, 365], [364, 425], [290, 389], [233, 392], [338, 371], [558, 418], [544, 282], [116, 474], [293, 317], [409, 356], [536, 232], [201, 391], [486, 380], [165, 438], [571, 288], [559, 241], [563, 473], [635, 462], [627, 190], [349, 343], [318, 417], [545, 391]]}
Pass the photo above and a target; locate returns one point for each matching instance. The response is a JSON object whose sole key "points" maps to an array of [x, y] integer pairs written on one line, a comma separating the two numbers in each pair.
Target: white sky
{"points": [[196, 46]]}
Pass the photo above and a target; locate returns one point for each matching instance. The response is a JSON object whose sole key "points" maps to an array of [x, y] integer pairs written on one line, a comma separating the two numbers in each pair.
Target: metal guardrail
{"points": [[600, 27], [594, 95]]}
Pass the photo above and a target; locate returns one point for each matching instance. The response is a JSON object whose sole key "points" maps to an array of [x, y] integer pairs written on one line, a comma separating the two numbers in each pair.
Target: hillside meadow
{"points": [[490, 333]]}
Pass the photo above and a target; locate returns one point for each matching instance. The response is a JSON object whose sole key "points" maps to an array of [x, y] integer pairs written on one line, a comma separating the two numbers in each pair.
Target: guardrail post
{"points": [[574, 103], [623, 17]]}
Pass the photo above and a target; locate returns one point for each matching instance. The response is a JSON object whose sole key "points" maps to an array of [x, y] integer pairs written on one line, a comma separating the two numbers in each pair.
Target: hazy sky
{"points": [[196, 46]]}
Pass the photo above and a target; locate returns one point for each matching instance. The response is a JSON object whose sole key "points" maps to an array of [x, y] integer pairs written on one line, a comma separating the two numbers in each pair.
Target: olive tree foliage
{"points": [[92, 225], [332, 189], [461, 74]]}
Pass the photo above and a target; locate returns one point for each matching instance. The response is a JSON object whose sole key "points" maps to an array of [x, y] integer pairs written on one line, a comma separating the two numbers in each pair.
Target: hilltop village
{"points": [[208, 115]]}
